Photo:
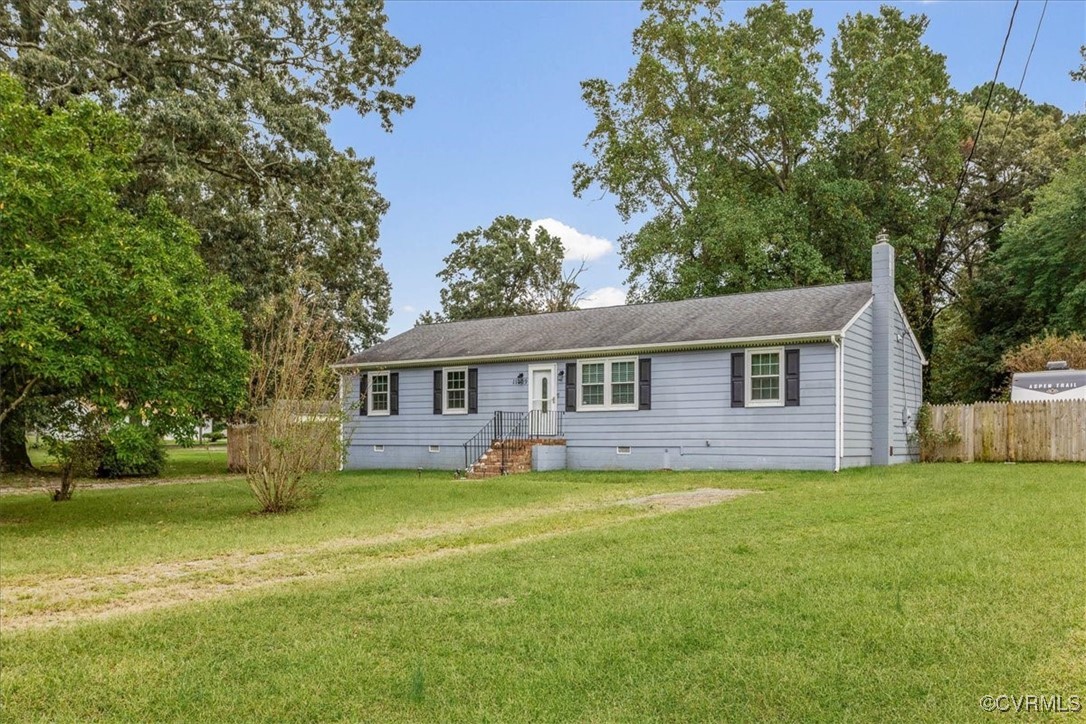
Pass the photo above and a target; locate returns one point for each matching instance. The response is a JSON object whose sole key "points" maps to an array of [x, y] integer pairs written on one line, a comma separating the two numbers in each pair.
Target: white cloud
{"points": [[578, 246], [407, 309], [604, 297]]}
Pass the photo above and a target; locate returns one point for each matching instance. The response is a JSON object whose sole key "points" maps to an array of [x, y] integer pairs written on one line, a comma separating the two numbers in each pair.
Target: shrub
{"points": [[129, 449], [293, 401], [1039, 351], [933, 443]]}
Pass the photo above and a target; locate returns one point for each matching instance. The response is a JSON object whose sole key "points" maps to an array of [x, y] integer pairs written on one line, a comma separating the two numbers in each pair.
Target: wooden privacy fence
{"points": [[1006, 432], [244, 443]]}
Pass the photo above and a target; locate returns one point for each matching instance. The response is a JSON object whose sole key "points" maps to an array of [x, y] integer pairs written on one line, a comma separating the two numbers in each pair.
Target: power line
{"points": [[980, 126], [1022, 80]]}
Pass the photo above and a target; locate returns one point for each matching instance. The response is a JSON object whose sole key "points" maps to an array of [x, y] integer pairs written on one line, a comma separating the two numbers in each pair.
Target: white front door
{"points": [[542, 399]]}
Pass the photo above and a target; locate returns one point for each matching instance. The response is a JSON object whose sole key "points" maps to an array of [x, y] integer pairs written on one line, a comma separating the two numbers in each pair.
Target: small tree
{"points": [[74, 439], [294, 412], [1039, 351], [503, 270]]}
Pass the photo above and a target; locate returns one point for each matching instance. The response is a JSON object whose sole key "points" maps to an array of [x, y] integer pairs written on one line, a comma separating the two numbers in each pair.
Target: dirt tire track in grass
{"points": [[46, 486], [48, 602]]}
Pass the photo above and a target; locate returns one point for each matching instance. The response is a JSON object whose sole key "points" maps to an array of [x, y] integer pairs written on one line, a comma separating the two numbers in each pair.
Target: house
{"points": [[812, 378]]}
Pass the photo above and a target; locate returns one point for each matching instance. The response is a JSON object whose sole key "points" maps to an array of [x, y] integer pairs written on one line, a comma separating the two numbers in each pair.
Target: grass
{"points": [[902, 594], [181, 462]]}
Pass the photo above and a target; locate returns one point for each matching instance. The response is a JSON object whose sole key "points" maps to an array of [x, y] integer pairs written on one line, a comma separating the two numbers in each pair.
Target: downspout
{"points": [[838, 383], [342, 419]]}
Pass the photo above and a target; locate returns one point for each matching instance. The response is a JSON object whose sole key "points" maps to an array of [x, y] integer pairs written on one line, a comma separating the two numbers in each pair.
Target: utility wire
{"points": [[980, 126], [1022, 80]]}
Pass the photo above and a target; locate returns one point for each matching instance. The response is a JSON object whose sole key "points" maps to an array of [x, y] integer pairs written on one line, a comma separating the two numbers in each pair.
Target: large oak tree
{"points": [[232, 101]]}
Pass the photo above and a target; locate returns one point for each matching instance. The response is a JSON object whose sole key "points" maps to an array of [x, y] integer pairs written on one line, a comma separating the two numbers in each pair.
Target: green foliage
{"points": [[503, 270], [231, 103], [707, 134], [1035, 281], [754, 176], [932, 442], [100, 305], [129, 449]]}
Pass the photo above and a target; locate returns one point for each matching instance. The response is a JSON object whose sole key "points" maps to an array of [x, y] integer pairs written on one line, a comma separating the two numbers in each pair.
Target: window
{"points": [[622, 383], [378, 448], [456, 390], [435, 448], [765, 374], [607, 384], [592, 384], [379, 393], [622, 450]]}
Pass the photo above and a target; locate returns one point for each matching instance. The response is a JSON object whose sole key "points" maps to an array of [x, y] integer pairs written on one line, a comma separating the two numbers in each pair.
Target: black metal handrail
{"points": [[510, 431]]}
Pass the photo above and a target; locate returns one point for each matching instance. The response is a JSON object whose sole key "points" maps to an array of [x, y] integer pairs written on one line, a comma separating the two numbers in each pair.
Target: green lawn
{"points": [[903, 594], [181, 462]]}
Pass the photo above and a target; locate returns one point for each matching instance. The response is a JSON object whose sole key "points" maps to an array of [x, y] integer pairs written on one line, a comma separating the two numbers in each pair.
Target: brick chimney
{"points": [[882, 349]]}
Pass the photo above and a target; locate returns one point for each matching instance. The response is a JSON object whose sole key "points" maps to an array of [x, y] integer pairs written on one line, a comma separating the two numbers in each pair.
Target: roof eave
{"points": [[810, 337]]}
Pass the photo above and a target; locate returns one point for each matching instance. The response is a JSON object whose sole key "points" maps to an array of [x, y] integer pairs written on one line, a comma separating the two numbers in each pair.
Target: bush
{"points": [[128, 450]]}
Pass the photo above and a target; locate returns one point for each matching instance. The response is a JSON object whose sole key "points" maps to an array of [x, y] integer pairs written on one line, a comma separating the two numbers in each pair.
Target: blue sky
{"points": [[499, 121]]}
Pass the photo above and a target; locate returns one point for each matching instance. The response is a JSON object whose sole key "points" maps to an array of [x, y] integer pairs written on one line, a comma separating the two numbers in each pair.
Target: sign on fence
{"points": [[1049, 431]]}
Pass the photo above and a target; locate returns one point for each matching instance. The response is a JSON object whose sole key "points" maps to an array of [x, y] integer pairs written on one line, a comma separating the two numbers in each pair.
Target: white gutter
{"points": [[838, 403], [596, 351], [342, 415]]}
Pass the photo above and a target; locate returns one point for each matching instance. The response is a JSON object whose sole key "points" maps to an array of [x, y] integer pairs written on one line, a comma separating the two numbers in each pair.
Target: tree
{"points": [[103, 307], [754, 177], [231, 101], [707, 134], [897, 131], [503, 270], [1035, 281]]}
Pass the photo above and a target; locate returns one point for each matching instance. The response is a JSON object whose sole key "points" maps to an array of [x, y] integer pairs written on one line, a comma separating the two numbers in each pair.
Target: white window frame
{"points": [[435, 448], [387, 393], [779, 402], [607, 366], [445, 409], [378, 448]]}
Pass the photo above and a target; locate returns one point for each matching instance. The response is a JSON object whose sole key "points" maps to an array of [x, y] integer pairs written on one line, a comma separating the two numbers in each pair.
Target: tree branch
{"points": [[19, 399]]}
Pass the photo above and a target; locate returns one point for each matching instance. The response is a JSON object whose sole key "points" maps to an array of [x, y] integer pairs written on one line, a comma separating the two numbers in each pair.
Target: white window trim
{"points": [[445, 410], [369, 394], [779, 402], [435, 448], [623, 450], [607, 405], [378, 448]]}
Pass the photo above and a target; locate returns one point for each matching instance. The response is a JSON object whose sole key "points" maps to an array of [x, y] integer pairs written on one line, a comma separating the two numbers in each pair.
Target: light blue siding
{"points": [[856, 397], [691, 424], [906, 390], [407, 436]]}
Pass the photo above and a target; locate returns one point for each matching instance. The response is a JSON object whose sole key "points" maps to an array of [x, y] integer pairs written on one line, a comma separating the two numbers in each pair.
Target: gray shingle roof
{"points": [[785, 312]]}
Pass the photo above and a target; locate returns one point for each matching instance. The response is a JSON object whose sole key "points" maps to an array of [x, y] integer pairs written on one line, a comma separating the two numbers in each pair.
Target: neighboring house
{"points": [[814, 378]]}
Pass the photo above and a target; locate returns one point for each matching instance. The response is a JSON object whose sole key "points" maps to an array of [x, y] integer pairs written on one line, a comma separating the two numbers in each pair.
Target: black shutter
{"points": [[394, 393], [571, 386], [791, 377], [644, 384], [437, 392], [738, 388], [362, 381], [473, 390]]}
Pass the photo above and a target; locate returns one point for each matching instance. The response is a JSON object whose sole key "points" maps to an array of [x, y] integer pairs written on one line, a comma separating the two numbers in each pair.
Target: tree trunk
{"points": [[13, 455], [64, 492]]}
